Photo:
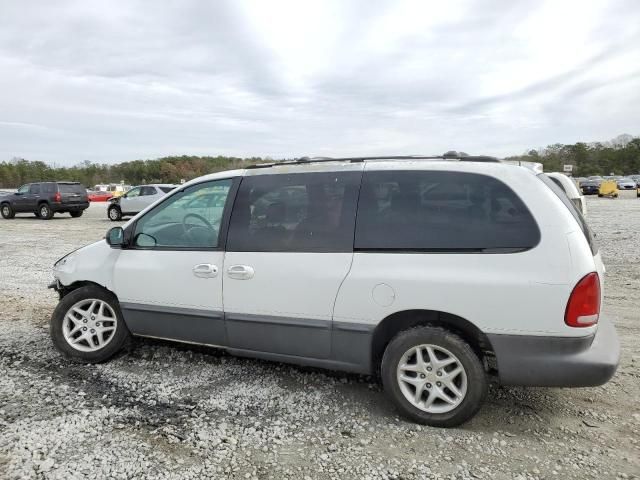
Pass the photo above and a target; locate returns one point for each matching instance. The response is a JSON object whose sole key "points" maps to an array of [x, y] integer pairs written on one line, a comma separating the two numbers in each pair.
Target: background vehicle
{"points": [[97, 196], [44, 199], [608, 188], [635, 178], [591, 186], [570, 189], [435, 272], [136, 200], [627, 184]]}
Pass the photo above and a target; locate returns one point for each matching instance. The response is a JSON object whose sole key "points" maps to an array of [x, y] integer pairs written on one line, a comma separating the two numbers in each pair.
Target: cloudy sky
{"points": [[120, 80]]}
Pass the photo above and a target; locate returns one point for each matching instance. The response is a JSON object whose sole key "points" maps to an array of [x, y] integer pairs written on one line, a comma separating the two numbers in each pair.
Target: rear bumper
{"points": [[69, 207], [558, 361]]}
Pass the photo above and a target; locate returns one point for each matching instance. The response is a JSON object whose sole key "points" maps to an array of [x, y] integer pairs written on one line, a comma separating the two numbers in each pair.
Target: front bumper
{"points": [[558, 361]]}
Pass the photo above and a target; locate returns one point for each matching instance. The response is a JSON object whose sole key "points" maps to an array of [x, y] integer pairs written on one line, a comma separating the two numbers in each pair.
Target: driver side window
{"points": [[188, 219], [134, 192], [23, 189]]}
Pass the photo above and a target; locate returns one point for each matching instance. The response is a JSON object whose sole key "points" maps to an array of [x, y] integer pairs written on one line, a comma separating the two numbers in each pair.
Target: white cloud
{"points": [[114, 81]]}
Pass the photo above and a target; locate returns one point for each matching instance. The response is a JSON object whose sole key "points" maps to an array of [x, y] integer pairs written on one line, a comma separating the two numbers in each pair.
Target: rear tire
{"points": [[74, 318], [7, 211], [76, 214], [44, 211], [444, 388], [114, 213]]}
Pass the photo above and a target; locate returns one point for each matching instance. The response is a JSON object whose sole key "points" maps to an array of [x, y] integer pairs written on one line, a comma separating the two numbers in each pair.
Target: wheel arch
{"points": [[65, 290], [397, 322]]}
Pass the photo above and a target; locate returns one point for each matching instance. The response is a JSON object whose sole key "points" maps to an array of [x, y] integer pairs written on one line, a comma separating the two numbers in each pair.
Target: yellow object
{"points": [[118, 193], [608, 188]]}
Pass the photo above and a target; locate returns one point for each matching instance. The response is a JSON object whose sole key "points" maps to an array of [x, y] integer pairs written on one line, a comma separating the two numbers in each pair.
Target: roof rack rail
{"points": [[450, 155]]}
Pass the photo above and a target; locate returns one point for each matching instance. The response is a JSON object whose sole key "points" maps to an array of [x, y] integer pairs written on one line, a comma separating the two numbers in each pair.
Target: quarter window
{"points": [[188, 219], [441, 211], [303, 212]]}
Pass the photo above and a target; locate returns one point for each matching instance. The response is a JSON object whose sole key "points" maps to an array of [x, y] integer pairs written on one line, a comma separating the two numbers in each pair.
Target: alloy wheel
{"points": [[89, 325], [432, 378]]}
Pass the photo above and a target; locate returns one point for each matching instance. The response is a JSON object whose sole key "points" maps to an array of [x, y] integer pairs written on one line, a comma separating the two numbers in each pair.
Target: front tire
{"points": [[114, 213], [433, 377], [44, 211], [87, 325], [6, 211]]}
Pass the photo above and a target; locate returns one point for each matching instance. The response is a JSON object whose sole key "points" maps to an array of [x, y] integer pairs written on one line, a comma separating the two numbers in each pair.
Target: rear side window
{"points": [[48, 187], [304, 212], [589, 235], [71, 188], [166, 189], [147, 191], [442, 212], [34, 188]]}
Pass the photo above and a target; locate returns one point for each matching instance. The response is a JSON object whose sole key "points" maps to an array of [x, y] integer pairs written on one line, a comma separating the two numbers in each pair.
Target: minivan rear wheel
{"points": [[87, 325], [433, 376]]}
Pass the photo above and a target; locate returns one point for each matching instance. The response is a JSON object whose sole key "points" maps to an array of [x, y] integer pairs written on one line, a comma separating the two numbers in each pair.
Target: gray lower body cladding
{"points": [[311, 342], [558, 361], [522, 360]]}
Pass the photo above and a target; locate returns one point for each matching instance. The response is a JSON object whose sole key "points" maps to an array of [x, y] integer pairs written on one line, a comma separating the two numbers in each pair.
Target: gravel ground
{"points": [[167, 410]]}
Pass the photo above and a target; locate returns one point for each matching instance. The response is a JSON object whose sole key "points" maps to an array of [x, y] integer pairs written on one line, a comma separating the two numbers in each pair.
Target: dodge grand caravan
{"points": [[437, 273]]}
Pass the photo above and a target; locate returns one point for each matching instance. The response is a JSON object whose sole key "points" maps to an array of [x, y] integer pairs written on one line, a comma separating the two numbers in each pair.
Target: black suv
{"points": [[44, 199]]}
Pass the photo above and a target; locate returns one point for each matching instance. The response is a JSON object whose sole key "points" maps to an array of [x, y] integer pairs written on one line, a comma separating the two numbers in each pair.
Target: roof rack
{"points": [[450, 155]]}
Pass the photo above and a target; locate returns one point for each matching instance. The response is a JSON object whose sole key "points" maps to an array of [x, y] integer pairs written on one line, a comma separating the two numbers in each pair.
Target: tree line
{"points": [[620, 156], [162, 170]]}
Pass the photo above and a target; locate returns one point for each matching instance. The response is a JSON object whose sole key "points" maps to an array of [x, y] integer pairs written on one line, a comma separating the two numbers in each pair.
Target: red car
{"points": [[99, 196]]}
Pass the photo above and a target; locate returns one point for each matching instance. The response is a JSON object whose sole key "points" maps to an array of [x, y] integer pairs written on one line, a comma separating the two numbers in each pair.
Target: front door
{"points": [[290, 246], [130, 202], [21, 199], [169, 282]]}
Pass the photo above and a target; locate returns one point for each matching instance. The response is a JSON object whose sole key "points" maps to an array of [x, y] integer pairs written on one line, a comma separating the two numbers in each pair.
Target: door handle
{"points": [[240, 272], [205, 270]]}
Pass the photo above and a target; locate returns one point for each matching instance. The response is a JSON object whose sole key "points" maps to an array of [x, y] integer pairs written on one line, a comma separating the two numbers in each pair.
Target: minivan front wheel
{"points": [[87, 325], [433, 377]]}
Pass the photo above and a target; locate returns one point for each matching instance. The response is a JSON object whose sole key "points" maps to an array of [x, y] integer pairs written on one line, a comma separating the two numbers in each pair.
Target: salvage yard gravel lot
{"points": [[166, 410]]}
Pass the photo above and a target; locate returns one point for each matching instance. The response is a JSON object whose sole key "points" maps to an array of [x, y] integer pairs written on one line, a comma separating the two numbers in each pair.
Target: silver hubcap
{"points": [[5, 210], [432, 378], [44, 211], [113, 213], [89, 325]]}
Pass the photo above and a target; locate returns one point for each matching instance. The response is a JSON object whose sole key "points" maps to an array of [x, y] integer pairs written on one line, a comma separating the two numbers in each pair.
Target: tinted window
{"points": [[49, 187], [441, 211], [71, 188], [148, 191], [188, 219], [303, 212], [166, 189], [34, 188]]}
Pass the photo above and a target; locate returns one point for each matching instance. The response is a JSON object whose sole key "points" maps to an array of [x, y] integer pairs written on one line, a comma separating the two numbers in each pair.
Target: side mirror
{"points": [[115, 237]]}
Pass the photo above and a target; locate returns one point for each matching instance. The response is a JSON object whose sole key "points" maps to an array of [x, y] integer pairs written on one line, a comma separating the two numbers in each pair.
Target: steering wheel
{"points": [[187, 229]]}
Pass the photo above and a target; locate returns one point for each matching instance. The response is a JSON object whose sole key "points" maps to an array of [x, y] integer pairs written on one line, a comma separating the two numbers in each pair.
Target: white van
{"points": [[438, 273]]}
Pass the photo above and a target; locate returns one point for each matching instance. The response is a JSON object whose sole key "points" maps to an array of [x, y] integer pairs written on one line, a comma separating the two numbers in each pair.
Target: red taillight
{"points": [[583, 307], [57, 197]]}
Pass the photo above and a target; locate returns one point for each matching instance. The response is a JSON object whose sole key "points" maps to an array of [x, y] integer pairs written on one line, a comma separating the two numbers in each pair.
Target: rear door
{"points": [[290, 246], [31, 198]]}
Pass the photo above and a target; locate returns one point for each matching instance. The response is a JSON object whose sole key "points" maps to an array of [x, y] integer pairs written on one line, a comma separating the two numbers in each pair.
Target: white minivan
{"points": [[437, 273]]}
